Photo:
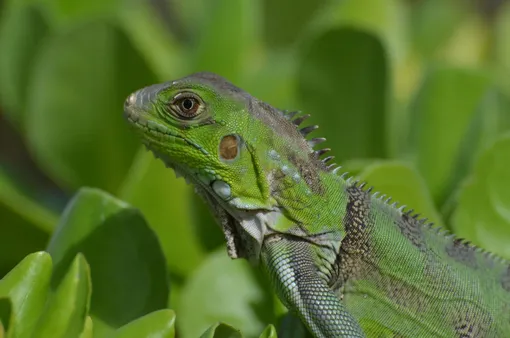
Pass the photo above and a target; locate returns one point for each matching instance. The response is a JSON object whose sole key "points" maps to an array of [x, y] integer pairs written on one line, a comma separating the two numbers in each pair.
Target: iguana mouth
{"points": [[139, 121]]}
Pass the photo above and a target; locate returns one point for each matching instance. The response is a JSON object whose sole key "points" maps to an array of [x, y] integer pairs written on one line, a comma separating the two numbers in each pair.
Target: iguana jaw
{"points": [[244, 229], [238, 244]]}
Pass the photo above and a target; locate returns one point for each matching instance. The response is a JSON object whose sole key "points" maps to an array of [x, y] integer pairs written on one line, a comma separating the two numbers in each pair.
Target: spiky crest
{"points": [[296, 119], [395, 206], [307, 130]]}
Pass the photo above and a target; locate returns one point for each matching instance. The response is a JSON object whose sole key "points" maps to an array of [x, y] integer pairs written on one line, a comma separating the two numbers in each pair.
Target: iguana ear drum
{"points": [[229, 147]]}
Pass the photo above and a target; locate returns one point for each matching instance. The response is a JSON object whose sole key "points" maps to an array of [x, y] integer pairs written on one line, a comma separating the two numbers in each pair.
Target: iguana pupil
{"points": [[187, 104]]}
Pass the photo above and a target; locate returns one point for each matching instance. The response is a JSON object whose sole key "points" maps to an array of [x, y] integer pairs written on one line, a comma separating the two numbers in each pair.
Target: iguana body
{"points": [[345, 260]]}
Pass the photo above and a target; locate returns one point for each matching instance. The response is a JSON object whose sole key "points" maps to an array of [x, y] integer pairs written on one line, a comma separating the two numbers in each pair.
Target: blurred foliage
{"points": [[413, 96], [100, 244]]}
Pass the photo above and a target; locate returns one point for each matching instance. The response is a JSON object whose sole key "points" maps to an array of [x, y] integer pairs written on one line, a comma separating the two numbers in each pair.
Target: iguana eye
{"points": [[186, 105]]}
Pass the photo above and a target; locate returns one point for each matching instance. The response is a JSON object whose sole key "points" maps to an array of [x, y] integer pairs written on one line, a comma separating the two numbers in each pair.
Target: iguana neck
{"points": [[310, 198], [304, 188]]}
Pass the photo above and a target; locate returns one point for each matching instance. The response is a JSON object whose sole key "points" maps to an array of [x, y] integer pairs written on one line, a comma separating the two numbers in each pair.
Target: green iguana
{"points": [[345, 260]]}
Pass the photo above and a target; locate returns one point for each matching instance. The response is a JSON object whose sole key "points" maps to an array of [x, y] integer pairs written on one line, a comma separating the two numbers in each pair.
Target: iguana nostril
{"points": [[144, 97], [131, 100]]}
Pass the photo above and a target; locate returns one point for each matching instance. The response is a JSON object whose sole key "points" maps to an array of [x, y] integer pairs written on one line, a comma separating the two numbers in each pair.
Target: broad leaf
{"points": [[405, 185], [441, 117], [127, 266], [74, 116], [88, 329], [490, 121], [221, 330], [384, 19], [67, 308], [158, 324], [483, 212], [225, 290], [343, 83], [269, 332], [27, 288]]}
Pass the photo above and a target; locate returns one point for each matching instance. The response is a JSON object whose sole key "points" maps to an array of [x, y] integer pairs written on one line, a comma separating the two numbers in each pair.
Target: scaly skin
{"points": [[348, 263]]}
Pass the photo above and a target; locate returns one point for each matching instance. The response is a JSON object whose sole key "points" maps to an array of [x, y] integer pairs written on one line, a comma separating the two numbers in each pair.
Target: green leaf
{"points": [[127, 266], [440, 121], [497, 104], [227, 39], [88, 329], [384, 19], [490, 120], [237, 296], [24, 225], [22, 29], [27, 287], [483, 212], [269, 332], [158, 324], [404, 184], [166, 202], [5, 314], [221, 330], [67, 308], [76, 131], [343, 84]]}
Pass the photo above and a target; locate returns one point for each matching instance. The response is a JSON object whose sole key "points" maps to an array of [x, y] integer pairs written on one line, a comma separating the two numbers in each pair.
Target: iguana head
{"points": [[239, 152]]}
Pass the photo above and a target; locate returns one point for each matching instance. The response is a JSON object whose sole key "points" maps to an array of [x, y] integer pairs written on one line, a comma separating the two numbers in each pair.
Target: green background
{"points": [[413, 96]]}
